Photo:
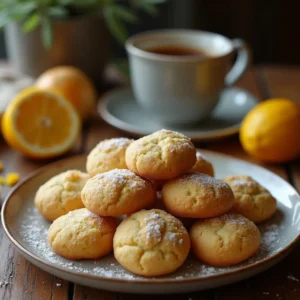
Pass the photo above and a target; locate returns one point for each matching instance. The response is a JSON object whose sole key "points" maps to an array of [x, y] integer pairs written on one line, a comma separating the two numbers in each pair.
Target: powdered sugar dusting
{"points": [[233, 219], [154, 226], [34, 230], [206, 271], [170, 132], [117, 179], [241, 182], [203, 179], [119, 176], [114, 143], [115, 174], [206, 181], [111, 273], [291, 277], [174, 237], [31, 230], [270, 237], [85, 213]]}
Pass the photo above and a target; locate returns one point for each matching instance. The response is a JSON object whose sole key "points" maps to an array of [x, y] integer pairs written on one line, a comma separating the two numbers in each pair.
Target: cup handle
{"points": [[241, 64]]}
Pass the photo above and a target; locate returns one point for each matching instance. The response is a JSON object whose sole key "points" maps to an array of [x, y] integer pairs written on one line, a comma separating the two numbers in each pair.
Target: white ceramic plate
{"points": [[27, 230], [119, 109]]}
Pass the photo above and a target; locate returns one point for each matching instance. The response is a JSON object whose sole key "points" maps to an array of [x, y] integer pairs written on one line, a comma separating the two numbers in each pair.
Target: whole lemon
{"points": [[270, 132], [73, 84]]}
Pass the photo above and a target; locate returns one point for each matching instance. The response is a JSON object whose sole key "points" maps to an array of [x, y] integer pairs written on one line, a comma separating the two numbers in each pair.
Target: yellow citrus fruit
{"points": [[40, 123], [74, 85], [271, 131]]}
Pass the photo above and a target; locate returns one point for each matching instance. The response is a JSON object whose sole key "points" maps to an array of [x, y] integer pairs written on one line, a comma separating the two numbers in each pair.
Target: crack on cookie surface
{"points": [[158, 237], [251, 199]]}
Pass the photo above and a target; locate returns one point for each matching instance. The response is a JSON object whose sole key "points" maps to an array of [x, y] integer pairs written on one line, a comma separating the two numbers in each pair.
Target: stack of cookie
{"points": [[123, 180]]}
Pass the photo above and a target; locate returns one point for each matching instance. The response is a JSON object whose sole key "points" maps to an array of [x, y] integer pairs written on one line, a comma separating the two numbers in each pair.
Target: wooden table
{"points": [[19, 279]]}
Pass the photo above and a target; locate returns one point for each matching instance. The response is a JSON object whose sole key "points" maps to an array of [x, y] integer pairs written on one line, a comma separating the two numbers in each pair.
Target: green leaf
{"points": [[23, 8], [148, 8], [57, 11], [81, 3], [47, 34], [115, 25], [124, 14], [155, 1], [138, 3], [107, 2], [31, 23], [64, 2], [145, 5], [35, 12]]}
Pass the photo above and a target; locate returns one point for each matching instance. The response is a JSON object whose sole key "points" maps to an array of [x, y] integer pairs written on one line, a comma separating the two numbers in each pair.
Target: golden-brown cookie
{"points": [[117, 192], [159, 204], [224, 241], [164, 154], [107, 155], [251, 199], [82, 234], [151, 243], [196, 195], [202, 165], [60, 194]]}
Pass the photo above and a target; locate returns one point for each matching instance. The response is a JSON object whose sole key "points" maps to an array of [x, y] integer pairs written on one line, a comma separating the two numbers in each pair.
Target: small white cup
{"points": [[183, 89]]}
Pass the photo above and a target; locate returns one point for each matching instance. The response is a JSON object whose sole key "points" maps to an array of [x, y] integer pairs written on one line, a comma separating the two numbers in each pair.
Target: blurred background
{"points": [[269, 26]]}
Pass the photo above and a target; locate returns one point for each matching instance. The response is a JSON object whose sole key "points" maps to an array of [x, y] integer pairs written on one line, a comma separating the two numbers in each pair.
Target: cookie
{"points": [[61, 194], [81, 234], [159, 204], [107, 155], [196, 195], [224, 241], [251, 199], [164, 154], [202, 165], [117, 192], [151, 243]]}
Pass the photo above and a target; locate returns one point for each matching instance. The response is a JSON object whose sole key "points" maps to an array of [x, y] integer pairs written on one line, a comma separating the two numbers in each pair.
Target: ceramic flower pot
{"points": [[81, 42]]}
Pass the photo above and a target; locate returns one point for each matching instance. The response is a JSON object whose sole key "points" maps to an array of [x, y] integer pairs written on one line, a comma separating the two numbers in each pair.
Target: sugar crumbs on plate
{"points": [[291, 277], [33, 231]]}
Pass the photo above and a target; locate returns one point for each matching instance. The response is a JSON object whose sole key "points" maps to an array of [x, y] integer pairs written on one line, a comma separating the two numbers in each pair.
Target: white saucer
{"points": [[119, 109]]}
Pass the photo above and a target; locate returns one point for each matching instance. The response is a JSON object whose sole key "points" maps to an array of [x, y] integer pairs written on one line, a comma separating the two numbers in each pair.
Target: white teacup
{"points": [[181, 89]]}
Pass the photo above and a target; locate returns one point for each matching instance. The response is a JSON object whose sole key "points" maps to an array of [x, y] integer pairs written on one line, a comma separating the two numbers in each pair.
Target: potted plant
{"points": [[40, 34]]}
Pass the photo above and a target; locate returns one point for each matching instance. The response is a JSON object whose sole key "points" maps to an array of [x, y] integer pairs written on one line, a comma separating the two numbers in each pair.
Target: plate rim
{"points": [[107, 116], [276, 256]]}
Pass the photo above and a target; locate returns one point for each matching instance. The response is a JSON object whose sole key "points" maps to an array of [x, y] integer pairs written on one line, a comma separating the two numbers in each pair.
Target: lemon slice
{"points": [[40, 123]]}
